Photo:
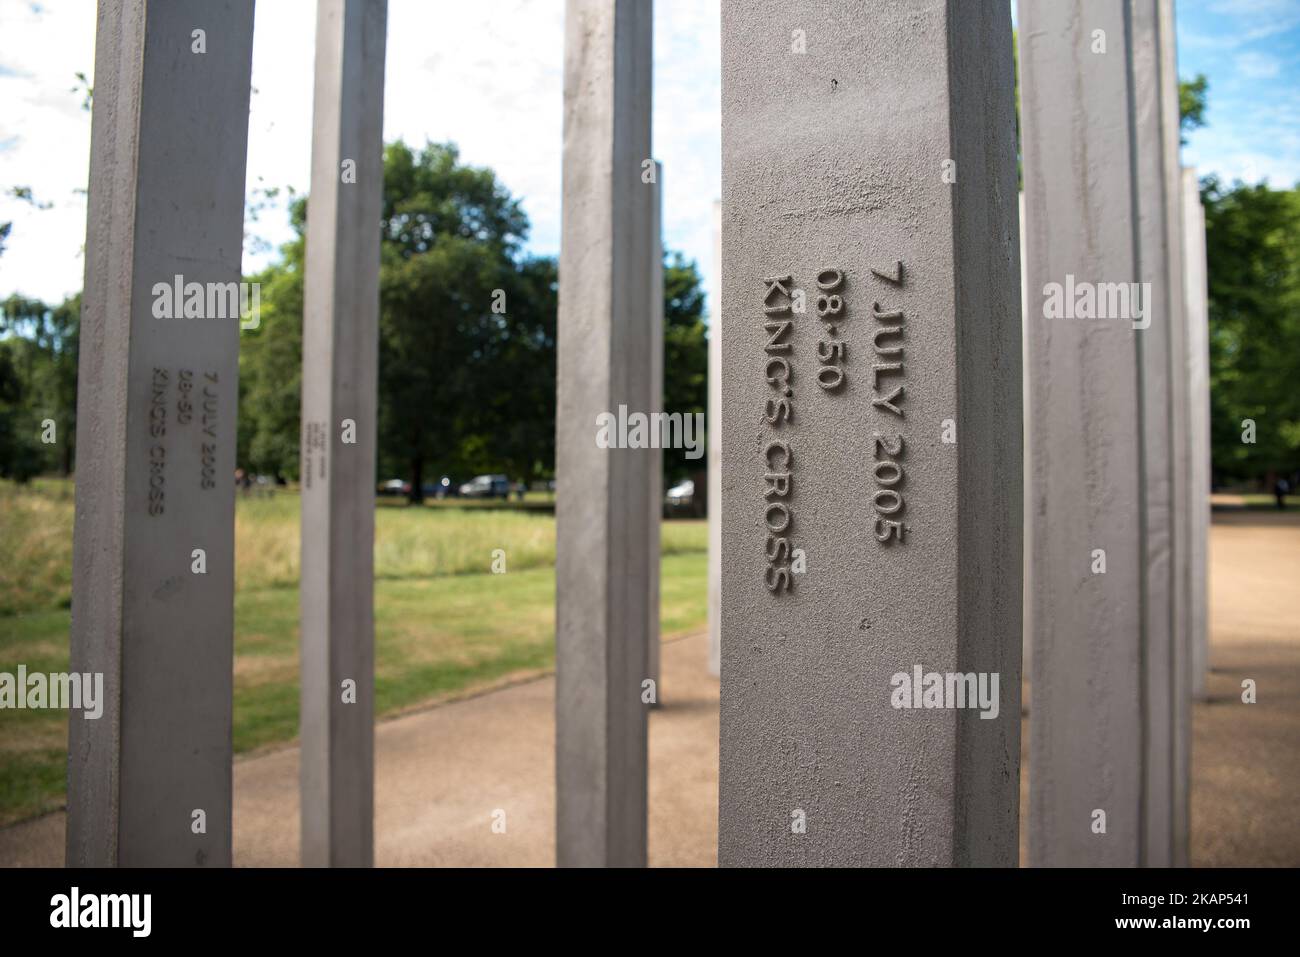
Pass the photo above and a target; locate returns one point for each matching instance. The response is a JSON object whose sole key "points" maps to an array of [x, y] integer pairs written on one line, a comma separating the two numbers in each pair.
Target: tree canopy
{"points": [[467, 334], [1252, 239]]}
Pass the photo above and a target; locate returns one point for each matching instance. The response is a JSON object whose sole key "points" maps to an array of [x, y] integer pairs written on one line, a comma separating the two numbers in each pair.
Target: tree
{"points": [[270, 364], [686, 356], [467, 334], [40, 373], [450, 237], [20, 450], [1252, 238], [513, 420], [1192, 99]]}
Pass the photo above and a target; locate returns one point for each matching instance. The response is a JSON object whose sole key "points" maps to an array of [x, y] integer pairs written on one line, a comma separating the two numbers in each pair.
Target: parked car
{"points": [[394, 487], [681, 494], [486, 486]]}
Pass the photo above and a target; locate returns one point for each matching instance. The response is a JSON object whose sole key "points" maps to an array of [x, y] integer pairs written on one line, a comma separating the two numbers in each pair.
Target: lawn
{"points": [[1267, 501], [444, 625]]}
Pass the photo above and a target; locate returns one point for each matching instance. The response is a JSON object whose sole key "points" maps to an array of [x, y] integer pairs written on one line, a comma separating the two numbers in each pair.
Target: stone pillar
{"points": [[1027, 464], [1171, 132], [602, 502], [653, 635], [1109, 740], [871, 417], [1163, 412], [340, 354], [149, 782], [1195, 278], [715, 450], [1086, 487]]}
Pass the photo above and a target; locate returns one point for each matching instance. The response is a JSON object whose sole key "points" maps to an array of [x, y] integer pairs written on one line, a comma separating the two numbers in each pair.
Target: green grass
{"points": [[1261, 500], [446, 538], [444, 626], [36, 535]]}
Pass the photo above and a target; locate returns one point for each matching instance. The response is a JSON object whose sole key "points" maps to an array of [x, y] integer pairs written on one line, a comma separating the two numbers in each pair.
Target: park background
{"points": [[471, 206]]}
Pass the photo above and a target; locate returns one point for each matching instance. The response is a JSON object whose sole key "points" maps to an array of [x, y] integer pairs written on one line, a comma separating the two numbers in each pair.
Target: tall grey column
{"points": [[1195, 278], [871, 368], [340, 352], [1028, 301], [1086, 761], [1109, 733], [1171, 131], [149, 782], [602, 501], [656, 333], [1159, 207], [715, 450]]}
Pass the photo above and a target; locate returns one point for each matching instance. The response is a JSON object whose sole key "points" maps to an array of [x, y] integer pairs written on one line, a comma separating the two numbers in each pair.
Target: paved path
{"points": [[441, 773], [1246, 757]]}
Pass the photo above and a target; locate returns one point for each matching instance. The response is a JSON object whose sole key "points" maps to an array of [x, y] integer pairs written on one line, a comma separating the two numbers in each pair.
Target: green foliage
{"points": [[25, 194], [270, 366], [1252, 236], [467, 335], [1191, 104], [450, 235], [686, 356], [38, 382], [84, 88]]}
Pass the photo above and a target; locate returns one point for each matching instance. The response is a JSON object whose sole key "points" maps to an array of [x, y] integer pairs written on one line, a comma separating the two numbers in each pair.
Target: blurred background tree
{"points": [[38, 385], [467, 335], [1252, 238]]}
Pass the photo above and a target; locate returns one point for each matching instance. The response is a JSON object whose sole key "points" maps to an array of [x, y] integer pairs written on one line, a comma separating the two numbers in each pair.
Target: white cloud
{"points": [[44, 145], [1258, 66], [487, 76]]}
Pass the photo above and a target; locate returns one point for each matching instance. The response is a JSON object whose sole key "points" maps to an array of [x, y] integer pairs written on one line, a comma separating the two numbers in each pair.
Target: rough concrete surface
{"points": [[340, 369], [833, 173], [156, 405], [1166, 669], [602, 509], [1196, 315], [1085, 477]]}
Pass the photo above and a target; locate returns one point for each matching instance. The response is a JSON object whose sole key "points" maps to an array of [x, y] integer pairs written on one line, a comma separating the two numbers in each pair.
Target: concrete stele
{"points": [[880, 171], [340, 356], [149, 782], [602, 500], [1158, 189], [1195, 278], [714, 497], [1116, 741], [656, 333], [1085, 595]]}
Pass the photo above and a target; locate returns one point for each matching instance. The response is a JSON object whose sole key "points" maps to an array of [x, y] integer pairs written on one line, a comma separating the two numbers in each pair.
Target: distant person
{"points": [[520, 488], [1280, 490]]}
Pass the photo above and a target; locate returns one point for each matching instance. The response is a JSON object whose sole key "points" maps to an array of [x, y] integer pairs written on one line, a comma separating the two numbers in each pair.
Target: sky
{"points": [[487, 75]]}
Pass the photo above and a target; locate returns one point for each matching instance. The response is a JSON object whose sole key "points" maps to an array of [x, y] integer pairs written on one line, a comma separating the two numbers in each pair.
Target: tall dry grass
{"points": [[410, 542]]}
